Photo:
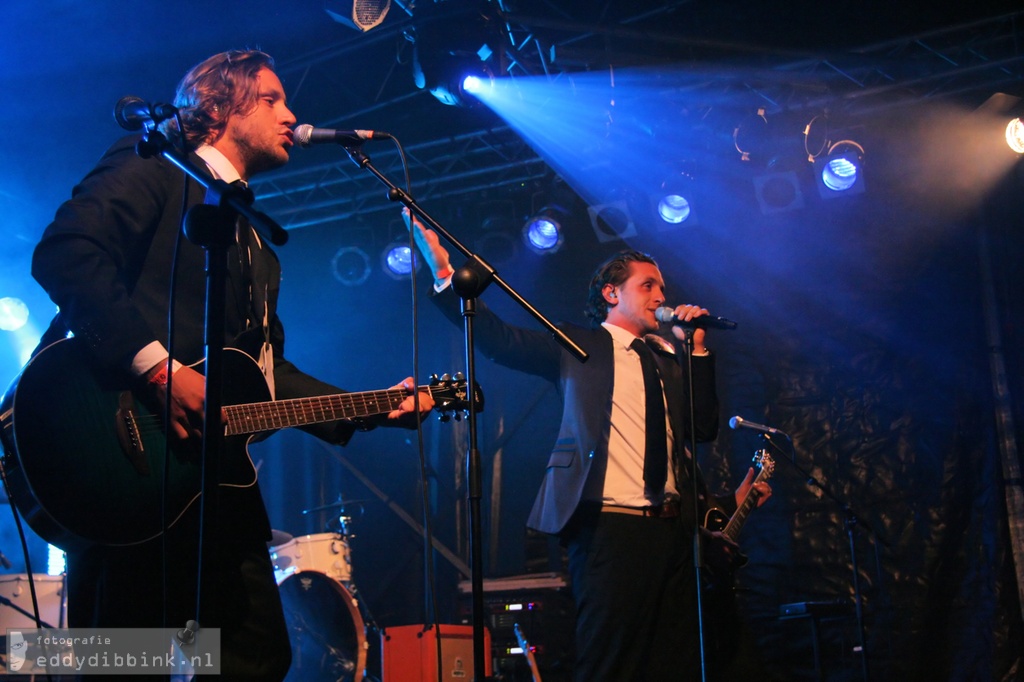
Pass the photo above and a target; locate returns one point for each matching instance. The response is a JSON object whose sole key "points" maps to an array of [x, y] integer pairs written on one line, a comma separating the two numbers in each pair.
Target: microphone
{"points": [[306, 135], [738, 422], [134, 113], [667, 314]]}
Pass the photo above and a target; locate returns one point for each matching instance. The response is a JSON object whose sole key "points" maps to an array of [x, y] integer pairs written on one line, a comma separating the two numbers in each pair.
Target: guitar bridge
{"points": [[128, 434]]}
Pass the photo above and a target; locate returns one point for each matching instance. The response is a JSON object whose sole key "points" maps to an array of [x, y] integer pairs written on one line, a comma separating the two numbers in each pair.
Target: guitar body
{"points": [[73, 462], [85, 461], [716, 520]]}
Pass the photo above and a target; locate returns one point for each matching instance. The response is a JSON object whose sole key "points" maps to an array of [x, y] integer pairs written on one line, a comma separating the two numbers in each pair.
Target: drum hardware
{"points": [[16, 596]]}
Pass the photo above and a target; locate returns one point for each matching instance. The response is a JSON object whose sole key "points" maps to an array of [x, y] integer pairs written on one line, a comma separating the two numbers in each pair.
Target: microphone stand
{"points": [[211, 225], [695, 492], [851, 521], [469, 282]]}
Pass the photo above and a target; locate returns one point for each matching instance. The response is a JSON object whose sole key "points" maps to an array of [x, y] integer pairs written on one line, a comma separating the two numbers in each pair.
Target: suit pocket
{"points": [[563, 454]]}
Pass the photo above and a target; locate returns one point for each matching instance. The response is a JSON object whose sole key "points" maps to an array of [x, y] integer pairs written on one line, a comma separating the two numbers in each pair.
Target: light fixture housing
{"points": [[398, 261], [358, 14], [544, 233], [351, 266], [840, 172]]}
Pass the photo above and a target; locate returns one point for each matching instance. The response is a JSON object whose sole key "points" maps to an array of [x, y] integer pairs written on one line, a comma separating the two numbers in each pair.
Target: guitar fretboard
{"points": [[280, 414]]}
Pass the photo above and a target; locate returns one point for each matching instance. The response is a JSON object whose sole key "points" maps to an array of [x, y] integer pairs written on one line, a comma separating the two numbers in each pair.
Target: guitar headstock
{"points": [[451, 396], [764, 462]]}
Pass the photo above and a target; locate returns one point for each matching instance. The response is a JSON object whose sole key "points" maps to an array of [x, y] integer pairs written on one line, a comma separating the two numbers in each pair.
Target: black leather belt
{"points": [[661, 511]]}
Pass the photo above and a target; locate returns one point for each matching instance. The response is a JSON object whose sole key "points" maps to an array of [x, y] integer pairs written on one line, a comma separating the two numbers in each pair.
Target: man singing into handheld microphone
{"points": [[618, 485]]}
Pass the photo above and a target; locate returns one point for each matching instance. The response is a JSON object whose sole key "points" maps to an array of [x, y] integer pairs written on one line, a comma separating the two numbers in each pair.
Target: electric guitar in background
{"points": [[717, 520], [528, 652], [84, 459]]}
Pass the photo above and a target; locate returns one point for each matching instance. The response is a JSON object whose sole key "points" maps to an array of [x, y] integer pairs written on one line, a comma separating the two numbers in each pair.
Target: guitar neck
{"points": [[735, 525], [280, 414]]}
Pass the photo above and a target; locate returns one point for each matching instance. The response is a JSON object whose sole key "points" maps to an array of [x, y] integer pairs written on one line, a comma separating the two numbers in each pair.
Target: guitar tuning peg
{"points": [[446, 377], [459, 376], [434, 379], [444, 418]]}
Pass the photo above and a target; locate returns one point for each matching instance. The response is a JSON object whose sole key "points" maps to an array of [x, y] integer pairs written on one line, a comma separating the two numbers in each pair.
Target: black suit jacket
{"points": [[576, 468], [106, 261]]}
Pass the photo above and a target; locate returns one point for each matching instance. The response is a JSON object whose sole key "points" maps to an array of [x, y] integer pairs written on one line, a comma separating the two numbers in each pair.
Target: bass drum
{"points": [[327, 633], [49, 594]]}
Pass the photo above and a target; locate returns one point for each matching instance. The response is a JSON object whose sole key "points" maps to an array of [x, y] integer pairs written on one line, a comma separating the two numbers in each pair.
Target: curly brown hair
{"points": [[613, 271], [216, 89]]}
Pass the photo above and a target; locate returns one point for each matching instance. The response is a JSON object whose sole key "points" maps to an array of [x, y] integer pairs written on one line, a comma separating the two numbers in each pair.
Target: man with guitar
{"points": [[626, 518], [113, 261]]}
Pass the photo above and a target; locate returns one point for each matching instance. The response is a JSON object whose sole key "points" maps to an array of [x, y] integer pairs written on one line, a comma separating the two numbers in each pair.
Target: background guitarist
{"points": [[106, 261]]}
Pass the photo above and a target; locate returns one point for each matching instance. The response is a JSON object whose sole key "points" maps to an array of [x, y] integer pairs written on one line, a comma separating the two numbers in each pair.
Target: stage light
{"points": [[750, 136], [1015, 135], [543, 232], [778, 192], [461, 84], [359, 14], [675, 200], [351, 266], [611, 221], [840, 171], [13, 314], [452, 45], [398, 260]]}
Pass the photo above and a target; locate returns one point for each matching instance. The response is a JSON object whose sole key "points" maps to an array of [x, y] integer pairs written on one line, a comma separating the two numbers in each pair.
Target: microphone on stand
{"points": [[306, 135], [666, 314], [738, 422], [134, 113]]}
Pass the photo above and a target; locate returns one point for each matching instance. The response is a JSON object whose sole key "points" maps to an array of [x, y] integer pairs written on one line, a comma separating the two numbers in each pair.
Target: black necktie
{"points": [[656, 440]]}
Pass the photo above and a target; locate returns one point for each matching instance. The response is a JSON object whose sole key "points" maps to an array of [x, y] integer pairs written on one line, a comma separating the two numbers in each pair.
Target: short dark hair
{"points": [[613, 271], [214, 90]]}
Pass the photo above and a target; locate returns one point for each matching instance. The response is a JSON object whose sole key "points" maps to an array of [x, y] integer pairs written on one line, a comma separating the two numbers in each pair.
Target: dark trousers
{"points": [[636, 598], [123, 587]]}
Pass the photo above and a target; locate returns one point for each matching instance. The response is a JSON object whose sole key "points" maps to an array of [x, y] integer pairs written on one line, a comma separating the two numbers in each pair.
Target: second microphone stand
{"points": [[469, 282]]}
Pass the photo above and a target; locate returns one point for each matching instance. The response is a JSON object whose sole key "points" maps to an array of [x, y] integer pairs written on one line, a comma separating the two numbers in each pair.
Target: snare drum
{"points": [[49, 594], [327, 633], [327, 553]]}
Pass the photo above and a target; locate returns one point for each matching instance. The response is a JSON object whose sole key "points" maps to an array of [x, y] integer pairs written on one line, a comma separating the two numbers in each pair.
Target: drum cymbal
{"points": [[340, 504], [278, 538]]}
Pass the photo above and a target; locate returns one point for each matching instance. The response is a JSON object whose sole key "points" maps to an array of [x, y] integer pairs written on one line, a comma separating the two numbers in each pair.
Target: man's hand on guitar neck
{"points": [[405, 416], [762, 487]]}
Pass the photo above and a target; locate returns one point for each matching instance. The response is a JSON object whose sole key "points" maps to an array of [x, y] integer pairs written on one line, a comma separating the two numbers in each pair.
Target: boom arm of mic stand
{"points": [[396, 194]]}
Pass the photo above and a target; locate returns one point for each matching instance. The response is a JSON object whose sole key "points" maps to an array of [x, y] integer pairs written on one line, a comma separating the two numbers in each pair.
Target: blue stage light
{"points": [[398, 260], [841, 170], [543, 232], [13, 314], [674, 208]]}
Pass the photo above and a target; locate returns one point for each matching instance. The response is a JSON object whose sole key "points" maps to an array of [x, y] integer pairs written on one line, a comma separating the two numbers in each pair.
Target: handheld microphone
{"points": [[738, 422], [306, 135], [667, 314], [134, 113]]}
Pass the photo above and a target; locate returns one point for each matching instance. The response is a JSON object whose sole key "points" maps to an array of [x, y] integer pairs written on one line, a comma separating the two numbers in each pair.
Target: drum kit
{"points": [[327, 622]]}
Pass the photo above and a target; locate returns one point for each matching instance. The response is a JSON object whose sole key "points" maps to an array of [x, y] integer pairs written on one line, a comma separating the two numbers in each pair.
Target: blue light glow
{"points": [[674, 209], [839, 174], [399, 260], [543, 234]]}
